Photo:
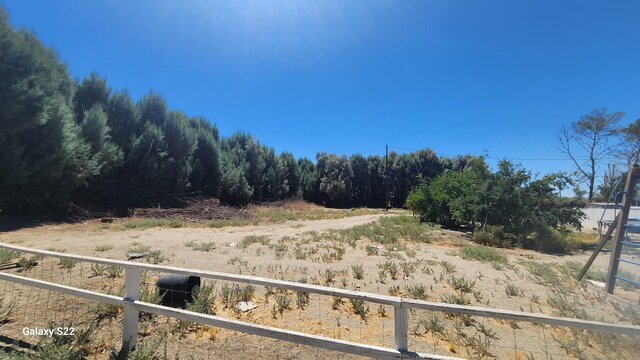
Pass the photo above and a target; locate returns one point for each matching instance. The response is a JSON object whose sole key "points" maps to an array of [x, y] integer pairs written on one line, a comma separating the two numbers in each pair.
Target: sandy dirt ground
{"points": [[298, 251]]}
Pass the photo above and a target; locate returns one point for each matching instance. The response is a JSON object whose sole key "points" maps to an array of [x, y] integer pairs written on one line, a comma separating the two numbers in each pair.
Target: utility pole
{"points": [[386, 178]]}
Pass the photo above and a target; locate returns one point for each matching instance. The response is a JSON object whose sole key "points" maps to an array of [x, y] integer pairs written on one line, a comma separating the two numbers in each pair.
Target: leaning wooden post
{"points": [[131, 293], [601, 243], [401, 327], [629, 192]]}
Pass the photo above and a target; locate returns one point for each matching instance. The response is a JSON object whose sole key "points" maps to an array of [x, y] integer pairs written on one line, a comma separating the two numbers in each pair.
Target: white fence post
{"points": [[131, 293], [401, 327]]}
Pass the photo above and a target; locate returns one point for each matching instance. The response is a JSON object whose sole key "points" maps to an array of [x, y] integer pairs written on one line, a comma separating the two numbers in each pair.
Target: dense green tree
{"points": [[92, 91], [291, 174], [235, 188], [153, 109], [180, 142], [360, 190], [376, 187], [42, 157], [206, 172], [335, 177], [274, 183], [123, 119], [405, 170], [253, 161], [105, 155], [308, 180], [105, 158], [145, 166]]}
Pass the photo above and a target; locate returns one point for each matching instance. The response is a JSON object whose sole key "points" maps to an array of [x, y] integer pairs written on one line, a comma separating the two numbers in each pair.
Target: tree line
{"points": [[80, 142]]}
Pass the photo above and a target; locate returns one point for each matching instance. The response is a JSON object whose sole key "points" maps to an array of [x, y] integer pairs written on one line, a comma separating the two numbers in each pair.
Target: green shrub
{"points": [[509, 197], [203, 300], [7, 255], [493, 236], [482, 253], [552, 241], [26, 264], [358, 271], [201, 246], [253, 239]]}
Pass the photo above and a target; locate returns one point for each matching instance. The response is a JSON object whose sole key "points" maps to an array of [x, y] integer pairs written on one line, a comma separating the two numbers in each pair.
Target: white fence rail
{"points": [[132, 306]]}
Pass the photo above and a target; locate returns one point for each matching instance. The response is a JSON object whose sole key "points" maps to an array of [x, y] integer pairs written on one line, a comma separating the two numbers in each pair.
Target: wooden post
{"points": [[401, 328], [629, 192], [131, 293], [601, 243]]}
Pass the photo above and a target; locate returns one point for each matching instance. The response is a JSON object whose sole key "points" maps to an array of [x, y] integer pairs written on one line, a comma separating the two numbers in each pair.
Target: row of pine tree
{"points": [[80, 142]]}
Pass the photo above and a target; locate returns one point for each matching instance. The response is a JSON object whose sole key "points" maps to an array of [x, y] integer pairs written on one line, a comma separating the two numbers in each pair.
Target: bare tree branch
{"points": [[591, 134]]}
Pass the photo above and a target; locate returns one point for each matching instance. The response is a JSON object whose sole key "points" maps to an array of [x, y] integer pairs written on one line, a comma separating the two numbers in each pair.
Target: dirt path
{"points": [[82, 239]]}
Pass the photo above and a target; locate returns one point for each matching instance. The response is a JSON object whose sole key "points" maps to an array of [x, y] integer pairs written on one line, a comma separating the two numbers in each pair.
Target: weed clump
{"points": [[484, 254], [201, 246]]}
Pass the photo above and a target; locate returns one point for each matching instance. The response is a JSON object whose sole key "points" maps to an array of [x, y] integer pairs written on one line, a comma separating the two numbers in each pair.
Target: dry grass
{"points": [[249, 216], [583, 241], [302, 210]]}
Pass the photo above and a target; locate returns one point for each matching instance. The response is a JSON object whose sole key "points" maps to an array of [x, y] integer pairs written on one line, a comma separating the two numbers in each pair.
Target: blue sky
{"points": [[351, 76]]}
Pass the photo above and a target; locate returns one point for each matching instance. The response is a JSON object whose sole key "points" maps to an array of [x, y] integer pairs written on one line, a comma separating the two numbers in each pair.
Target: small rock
{"points": [[232, 245], [599, 284], [357, 286], [245, 306]]}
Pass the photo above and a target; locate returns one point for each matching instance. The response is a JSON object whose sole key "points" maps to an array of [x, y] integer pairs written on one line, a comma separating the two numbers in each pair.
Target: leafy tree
{"points": [[145, 167], [105, 157], [360, 190], [274, 184], [235, 188], [335, 177], [610, 185], [206, 173], [455, 198], [457, 163], [579, 192], [588, 142], [404, 171], [253, 160], [92, 91], [308, 180], [376, 187], [291, 174], [630, 146], [428, 164], [123, 119], [180, 142], [508, 198], [42, 157], [153, 109]]}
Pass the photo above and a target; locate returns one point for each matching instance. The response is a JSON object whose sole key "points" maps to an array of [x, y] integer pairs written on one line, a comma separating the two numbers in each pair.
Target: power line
{"points": [[507, 158]]}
